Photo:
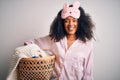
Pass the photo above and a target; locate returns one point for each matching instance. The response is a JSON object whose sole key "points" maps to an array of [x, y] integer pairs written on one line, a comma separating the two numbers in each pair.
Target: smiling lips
{"points": [[70, 28]]}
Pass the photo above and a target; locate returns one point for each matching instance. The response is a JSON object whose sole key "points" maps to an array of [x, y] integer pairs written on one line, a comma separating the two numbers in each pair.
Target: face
{"points": [[70, 25]]}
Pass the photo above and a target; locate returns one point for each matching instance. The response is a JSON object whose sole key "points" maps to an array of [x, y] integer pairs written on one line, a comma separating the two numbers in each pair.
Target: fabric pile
{"points": [[28, 51]]}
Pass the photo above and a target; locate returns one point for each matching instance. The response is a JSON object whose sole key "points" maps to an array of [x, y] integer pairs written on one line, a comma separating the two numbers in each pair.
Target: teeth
{"points": [[70, 28]]}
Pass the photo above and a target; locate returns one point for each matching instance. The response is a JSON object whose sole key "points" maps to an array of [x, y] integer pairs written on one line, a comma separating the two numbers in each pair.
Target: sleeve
{"points": [[88, 67], [44, 43], [37, 41]]}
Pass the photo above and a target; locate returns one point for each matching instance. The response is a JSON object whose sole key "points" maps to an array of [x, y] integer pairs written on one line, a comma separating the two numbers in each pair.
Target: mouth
{"points": [[70, 28]]}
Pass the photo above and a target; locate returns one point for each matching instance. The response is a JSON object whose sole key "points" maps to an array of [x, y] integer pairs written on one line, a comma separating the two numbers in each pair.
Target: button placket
{"points": [[63, 64]]}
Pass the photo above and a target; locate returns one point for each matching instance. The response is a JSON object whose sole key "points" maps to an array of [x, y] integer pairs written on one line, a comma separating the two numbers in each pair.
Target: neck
{"points": [[71, 37]]}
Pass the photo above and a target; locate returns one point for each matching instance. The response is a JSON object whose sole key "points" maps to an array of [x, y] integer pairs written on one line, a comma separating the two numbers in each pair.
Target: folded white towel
{"points": [[24, 52]]}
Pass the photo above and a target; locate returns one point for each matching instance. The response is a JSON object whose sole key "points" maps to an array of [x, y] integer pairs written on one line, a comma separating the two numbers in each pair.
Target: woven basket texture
{"points": [[35, 68]]}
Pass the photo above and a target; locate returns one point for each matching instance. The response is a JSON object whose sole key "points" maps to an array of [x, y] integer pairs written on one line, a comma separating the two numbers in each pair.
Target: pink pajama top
{"points": [[75, 63]]}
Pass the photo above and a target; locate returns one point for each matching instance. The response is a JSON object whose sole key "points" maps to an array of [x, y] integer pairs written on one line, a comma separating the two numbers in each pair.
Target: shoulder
{"points": [[87, 48], [44, 42], [45, 39], [88, 45]]}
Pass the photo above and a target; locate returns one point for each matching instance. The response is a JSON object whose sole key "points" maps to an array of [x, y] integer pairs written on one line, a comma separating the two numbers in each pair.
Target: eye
{"points": [[66, 21], [74, 20]]}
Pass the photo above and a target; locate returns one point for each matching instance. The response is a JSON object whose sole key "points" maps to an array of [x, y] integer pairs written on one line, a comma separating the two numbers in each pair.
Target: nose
{"points": [[70, 22]]}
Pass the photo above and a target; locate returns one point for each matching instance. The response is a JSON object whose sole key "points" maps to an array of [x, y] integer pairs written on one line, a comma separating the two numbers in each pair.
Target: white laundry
{"points": [[27, 51]]}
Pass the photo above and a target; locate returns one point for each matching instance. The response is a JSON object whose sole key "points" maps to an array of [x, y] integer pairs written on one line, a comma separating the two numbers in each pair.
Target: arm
{"points": [[45, 43]]}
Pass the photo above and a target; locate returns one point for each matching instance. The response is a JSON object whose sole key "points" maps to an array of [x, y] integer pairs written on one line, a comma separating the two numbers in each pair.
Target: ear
{"points": [[76, 4], [65, 7]]}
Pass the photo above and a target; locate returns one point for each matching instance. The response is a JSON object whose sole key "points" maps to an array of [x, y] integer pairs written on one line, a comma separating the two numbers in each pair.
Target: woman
{"points": [[70, 41]]}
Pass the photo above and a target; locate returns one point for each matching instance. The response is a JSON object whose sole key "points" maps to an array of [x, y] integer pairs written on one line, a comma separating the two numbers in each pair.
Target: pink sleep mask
{"points": [[71, 11]]}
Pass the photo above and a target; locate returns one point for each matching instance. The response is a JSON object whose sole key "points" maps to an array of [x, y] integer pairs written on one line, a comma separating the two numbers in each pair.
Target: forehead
{"points": [[70, 18]]}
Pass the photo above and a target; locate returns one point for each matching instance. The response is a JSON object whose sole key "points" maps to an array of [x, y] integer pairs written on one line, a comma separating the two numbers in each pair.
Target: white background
{"points": [[21, 20]]}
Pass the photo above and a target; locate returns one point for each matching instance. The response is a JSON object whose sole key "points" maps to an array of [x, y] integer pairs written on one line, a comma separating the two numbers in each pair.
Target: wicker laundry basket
{"points": [[35, 68]]}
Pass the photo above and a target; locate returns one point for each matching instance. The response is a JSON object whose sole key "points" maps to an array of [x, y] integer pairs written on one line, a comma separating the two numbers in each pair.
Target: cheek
{"points": [[65, 25], [76, 24]]}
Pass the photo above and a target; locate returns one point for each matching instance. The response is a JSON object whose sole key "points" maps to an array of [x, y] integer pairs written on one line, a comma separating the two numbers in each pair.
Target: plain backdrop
{"points": [[21, 20]]}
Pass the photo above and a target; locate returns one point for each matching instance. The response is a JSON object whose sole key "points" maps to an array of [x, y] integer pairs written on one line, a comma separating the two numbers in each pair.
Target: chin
{"points": [[71, 33]]}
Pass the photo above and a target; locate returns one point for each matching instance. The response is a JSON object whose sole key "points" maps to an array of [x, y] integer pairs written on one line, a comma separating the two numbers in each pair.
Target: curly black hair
{"points": [[84, 31]]}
